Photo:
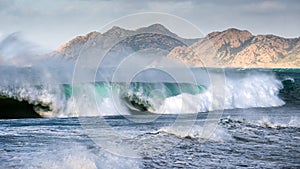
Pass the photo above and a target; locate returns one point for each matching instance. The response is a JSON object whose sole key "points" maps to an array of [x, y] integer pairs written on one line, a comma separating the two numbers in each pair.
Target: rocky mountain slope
{"points": [[229, 48], [239, 48], [116, 35]]}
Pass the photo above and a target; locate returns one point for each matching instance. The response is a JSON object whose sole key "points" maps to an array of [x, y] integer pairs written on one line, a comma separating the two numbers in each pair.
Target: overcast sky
{"points": [[50, 23]]}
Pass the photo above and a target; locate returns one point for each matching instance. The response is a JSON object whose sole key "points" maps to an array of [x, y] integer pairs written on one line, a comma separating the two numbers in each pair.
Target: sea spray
{"points": [[251, 90]]}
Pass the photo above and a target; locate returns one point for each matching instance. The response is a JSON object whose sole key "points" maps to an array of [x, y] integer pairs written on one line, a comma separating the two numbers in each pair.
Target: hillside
{"points": [[229, 48], [239, 48], [116, 35]]}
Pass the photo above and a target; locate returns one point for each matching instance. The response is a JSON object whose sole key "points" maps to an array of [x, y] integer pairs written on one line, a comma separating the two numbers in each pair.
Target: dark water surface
{"points": [[260, 137]]}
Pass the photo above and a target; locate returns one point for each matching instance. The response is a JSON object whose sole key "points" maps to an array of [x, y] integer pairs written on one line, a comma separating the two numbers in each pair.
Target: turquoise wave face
{"points": [[103, 89], [138, 95]]}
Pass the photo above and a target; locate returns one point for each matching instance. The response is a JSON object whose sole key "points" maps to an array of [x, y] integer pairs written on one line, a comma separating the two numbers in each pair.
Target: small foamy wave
{"points": [[266, 122], [219, 134]]}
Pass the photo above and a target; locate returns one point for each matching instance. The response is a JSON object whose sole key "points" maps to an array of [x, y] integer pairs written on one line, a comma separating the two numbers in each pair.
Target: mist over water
{"points": [[15, 50], [46, 80]]}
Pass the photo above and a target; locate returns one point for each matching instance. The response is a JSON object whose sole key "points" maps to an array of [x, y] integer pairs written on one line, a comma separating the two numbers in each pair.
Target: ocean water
{"points": [[254, 122]]}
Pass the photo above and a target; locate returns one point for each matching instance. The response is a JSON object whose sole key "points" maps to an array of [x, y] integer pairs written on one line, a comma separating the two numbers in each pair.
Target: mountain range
{"points": [[229, 48]]}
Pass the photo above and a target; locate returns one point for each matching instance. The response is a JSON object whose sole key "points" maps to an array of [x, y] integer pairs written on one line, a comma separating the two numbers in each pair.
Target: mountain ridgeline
{"points": [[229, 48]]}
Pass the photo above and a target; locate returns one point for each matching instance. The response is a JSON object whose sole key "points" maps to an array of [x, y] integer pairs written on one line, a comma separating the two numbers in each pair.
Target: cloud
{"points": [[170, 6], [264, 7], [51, 23], [271, 6]]}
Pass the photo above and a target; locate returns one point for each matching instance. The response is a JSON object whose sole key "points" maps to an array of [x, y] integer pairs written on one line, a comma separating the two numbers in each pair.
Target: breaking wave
{"points": [[250, 90]]}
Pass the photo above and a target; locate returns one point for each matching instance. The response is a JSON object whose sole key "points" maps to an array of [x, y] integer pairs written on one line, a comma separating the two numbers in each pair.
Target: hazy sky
{"points": [[50, 23]]}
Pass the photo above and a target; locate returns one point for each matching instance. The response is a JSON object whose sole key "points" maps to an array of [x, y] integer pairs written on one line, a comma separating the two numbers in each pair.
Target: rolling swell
{"points": [[26, 101], [11, 109], [290, 92]]}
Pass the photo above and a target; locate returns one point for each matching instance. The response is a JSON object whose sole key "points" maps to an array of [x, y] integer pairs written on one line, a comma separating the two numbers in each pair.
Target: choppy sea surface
{"points": [[258, 128]]}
